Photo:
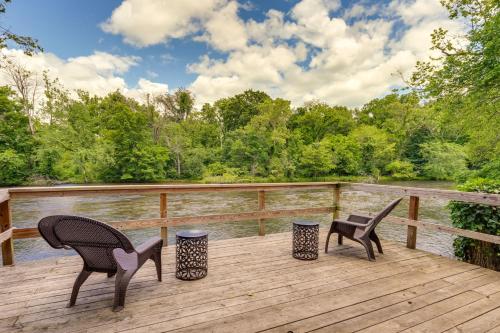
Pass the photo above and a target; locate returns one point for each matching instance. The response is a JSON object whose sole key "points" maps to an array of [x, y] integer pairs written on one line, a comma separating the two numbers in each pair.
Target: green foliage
{"points": [[377, 150], [314, 121], [480, 218], [237, 111], [444, 160], [400, 170], [14, 168]]}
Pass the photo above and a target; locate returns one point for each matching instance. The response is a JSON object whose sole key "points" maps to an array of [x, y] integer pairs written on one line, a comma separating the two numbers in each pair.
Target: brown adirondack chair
{"points": [[103, 249], [361, 229]]}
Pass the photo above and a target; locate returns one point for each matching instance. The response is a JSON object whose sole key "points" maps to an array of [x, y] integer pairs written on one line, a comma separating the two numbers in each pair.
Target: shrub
{"points": [[480, 218], [14, 168], [400, 169], [444, 160]]}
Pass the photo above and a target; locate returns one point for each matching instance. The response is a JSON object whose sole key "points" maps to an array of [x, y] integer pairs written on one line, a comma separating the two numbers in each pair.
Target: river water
{"points": [[27, 212]]}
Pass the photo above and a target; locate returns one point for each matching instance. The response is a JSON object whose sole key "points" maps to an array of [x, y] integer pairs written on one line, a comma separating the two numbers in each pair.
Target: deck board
{"points": [[255, 285]]}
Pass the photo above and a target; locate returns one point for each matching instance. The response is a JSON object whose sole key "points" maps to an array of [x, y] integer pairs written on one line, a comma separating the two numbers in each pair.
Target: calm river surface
{"points": [[27, 212]]}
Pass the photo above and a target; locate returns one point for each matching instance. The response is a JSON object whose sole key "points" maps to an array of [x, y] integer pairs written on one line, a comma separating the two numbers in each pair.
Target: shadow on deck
{"points": [[254, 284]]}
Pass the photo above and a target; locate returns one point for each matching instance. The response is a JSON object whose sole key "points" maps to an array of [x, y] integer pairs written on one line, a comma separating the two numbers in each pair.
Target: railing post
{"points": [[336, 201], [6, 224], [411, 235], [163, 215], [262, 206]]}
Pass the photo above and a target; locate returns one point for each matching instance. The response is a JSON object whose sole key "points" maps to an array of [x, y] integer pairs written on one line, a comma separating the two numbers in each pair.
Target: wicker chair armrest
{"points": [[126, 261], [149, 244], [359, 218], [354, 224]]}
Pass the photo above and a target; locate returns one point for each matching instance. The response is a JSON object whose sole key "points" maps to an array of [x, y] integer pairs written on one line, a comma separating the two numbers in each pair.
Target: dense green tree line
{"points": [[444, 126]]}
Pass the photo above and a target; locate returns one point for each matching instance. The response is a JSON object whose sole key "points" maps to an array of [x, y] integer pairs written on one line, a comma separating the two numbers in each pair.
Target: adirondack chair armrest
{"points": [[354, 224], [359, 218], [149, 245]]}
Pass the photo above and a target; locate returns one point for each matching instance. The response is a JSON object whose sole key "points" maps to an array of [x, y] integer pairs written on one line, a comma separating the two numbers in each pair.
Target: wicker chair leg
{"points": [[121, 285], [327, 241], [374, 237], [82, 277], [156, 257], [340, 239]]}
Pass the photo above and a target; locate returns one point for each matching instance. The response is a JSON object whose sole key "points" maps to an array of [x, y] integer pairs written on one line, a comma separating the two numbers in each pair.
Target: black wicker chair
{"points": [[102, 248], [361, 229]]}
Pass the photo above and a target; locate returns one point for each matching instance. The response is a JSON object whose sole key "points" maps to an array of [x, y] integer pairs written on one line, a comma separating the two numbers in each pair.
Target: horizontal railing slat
{"points": [[476, 197], [20, 192], [7, 234], [162, 222]]}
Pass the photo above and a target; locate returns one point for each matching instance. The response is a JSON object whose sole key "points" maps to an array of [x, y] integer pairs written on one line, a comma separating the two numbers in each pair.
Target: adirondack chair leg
{"points": [[121, 285], [156, 257], [81, 278], [374, 237], [369, 249], [340, 240], [111, 274]]}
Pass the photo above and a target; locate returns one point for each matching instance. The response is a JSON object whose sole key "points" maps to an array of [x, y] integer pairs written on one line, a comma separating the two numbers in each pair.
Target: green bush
{"points": [[444, 160], [480, 218], [14, 168], [400, 170]]}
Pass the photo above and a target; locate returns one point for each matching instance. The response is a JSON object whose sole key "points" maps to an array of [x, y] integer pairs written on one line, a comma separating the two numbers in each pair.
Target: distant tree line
{"points": [[445, 125]]}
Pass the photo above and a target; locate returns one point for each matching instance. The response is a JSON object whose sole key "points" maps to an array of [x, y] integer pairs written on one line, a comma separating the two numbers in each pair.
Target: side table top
{"points": [[306, 223], [191, 233]]}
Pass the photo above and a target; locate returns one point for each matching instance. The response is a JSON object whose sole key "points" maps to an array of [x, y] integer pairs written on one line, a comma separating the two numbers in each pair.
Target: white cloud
{"points": [[347, 64], [144, 23], [144, 88], [99, 73], [224, 30]]}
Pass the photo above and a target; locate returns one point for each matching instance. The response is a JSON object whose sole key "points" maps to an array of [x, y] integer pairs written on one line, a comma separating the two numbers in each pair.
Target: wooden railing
{"points": [[163, 222]]}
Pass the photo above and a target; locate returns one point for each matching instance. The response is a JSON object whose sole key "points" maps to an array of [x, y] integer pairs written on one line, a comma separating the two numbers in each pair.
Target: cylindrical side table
{"points": [[305, 240], [191, 254]]}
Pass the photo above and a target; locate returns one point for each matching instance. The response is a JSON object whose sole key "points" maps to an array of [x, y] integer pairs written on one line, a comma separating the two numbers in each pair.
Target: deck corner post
{"points": [[262, 206], [336, 201], [6, 224], [411, 235], [163, 215]]}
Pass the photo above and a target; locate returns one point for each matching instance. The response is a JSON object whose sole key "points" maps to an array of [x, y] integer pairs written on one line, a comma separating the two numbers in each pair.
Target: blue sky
{"points": [[342, 52]]}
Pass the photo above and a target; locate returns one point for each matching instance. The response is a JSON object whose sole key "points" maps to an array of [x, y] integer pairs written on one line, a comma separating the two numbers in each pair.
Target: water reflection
{"points": [[26, 213]]}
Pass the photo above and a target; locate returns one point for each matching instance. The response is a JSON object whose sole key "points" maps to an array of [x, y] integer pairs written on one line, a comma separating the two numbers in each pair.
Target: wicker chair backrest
{"points": [[93, 240]]}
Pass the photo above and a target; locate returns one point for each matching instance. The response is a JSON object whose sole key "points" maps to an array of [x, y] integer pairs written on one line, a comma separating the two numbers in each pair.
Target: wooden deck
{"points": [[253, 285]]}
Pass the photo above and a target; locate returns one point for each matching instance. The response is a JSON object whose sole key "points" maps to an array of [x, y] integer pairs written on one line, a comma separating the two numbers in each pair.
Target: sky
{"points": [[339, 52]]}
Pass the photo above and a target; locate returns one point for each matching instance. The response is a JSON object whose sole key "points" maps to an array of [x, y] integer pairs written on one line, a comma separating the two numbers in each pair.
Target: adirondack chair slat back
{"points": [[380, 216]]}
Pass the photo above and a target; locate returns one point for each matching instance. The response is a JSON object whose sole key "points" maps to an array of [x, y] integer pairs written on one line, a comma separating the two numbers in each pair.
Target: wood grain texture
{"points": [[6, 224], [254, 284], [476, 197], [411, 233], [20, 192]]}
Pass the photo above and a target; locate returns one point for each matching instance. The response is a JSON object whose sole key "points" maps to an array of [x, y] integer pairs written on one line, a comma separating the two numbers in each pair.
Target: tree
{"points": [[377, 150], [315, 120], [237, 111], [135, 156], [177, 106], [467, 75], [26, 83], [316, 160], [444, 160], [28, 44]]}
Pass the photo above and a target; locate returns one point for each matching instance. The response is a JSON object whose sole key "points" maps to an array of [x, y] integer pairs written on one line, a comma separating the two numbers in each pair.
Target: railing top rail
{"points": [[476, 197], [17, 192], [4, 195]]}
